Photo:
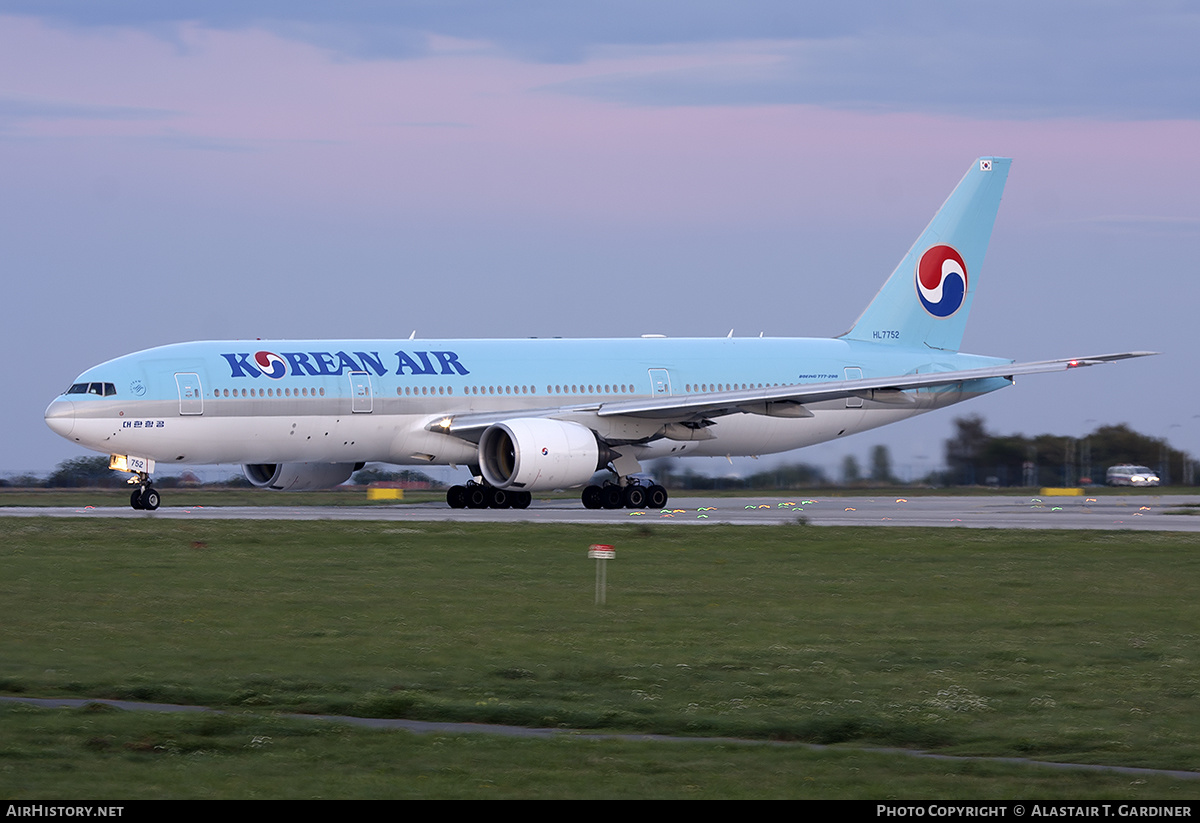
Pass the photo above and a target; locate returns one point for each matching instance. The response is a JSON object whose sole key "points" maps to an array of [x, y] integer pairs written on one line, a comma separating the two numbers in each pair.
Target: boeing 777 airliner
{"points": [[532, 415]]}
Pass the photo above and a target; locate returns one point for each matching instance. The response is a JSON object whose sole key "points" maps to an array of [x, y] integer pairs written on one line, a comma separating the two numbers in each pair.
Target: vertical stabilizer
{"points": [[928, 297]]}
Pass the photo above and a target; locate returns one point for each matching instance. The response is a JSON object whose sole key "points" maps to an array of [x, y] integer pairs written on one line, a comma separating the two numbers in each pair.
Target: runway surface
{"points": [[1140, 512]]}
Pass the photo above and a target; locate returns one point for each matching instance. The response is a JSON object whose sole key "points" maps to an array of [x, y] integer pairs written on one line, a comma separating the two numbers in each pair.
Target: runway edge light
{"points": [[601, 553]]}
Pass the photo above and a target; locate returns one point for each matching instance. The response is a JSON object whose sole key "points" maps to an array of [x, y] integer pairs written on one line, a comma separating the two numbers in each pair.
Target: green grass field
{"points": [[1070, 646]]}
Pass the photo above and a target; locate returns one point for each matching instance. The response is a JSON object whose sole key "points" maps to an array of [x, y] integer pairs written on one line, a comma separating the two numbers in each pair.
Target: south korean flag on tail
{"points": [[985, 165]]}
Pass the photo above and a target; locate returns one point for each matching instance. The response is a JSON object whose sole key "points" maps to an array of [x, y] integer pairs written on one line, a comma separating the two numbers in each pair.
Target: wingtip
{"points": [[1109, 358]]}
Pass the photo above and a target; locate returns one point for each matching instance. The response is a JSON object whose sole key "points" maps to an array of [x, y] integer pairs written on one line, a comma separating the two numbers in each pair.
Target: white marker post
{"points": [[602, 554]]}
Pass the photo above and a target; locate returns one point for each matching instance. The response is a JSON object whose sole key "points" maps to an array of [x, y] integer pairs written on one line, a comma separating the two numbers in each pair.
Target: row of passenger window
{"points": [[576, 388], [707, 387], [411, 391], [424, 391], [286, 392]]}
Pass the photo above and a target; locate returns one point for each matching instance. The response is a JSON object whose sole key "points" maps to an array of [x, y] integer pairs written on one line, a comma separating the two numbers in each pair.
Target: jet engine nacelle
{"points": [[299, 476], [536, 454]]}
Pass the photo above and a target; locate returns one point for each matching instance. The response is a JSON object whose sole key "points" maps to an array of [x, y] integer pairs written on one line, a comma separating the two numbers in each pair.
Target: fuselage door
{"points": [[660, 382], [191, 396], [854, 373], [361, 397]]}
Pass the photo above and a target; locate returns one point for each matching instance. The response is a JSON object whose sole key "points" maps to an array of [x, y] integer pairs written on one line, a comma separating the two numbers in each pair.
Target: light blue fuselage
{"points": [[373, 400]]}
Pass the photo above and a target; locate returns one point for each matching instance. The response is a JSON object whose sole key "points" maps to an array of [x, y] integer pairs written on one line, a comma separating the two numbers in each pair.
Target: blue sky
{"points": [[193, 170]]}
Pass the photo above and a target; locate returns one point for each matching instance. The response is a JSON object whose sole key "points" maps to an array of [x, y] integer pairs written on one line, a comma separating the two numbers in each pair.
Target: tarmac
{"points": [[1137, 512]]}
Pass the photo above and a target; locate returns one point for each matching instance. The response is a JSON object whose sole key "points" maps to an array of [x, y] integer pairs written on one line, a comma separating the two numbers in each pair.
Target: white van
{"points": [[1132, 476]]}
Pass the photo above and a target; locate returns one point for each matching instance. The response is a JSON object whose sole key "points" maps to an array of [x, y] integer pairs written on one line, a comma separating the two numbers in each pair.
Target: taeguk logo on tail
{"points": [[271, 364], [941, 280]]}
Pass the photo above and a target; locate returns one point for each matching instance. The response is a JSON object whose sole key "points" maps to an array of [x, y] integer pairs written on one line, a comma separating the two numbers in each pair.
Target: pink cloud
{"points": [[248, 115]]}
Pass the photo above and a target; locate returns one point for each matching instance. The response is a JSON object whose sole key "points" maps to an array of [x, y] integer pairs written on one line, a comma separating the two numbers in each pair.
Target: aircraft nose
{"points": [[60, 417]]}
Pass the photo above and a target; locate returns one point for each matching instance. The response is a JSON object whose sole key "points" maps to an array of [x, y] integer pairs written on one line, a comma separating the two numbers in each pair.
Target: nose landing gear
{"points": [[145, 497]]}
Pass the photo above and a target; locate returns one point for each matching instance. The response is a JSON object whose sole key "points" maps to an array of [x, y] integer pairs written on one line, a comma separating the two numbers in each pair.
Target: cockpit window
{"points": [[101, 389]]}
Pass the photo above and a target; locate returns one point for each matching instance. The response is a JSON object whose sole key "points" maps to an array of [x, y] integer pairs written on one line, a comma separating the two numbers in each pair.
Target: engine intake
{"points": [[536, 454]]}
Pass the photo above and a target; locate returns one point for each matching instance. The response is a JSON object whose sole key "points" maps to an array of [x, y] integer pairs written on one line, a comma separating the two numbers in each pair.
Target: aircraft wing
{"points": [[785, 401], [885, 389]]}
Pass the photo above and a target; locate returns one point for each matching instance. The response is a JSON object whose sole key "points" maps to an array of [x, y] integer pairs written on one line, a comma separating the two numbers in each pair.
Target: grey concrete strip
{"points": [[1110, 512]]}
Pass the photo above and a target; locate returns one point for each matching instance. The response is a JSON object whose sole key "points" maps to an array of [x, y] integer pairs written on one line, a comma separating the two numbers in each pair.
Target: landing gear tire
{"points": [[611, 497], [521, 500], [592, 498], [499, 499], [634, 497], [477, 497], [656, 497], [146, 499], [456, 497]]}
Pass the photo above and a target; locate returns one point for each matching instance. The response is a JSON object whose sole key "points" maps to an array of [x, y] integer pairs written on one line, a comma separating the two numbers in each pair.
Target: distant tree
{"points": [[691, 480], [881, 466], [1055, 458], [1003, 457], [850, 471], [84, 471], [973, 455], [790, 476], [27, 481], [1114, 445], [663, 471], [964, 450]]}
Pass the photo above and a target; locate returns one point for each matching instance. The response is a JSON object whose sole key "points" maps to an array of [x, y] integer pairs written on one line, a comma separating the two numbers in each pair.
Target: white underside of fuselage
{"points": [[404, 439]]}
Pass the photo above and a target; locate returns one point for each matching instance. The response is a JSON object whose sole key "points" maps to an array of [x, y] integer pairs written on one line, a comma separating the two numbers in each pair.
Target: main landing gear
{"points": [[481, 496], [625, 491], [145, 497], [631, 496]]}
